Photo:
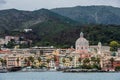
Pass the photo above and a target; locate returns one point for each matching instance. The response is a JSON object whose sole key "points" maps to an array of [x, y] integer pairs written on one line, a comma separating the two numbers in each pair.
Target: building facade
{"points": [[82, 45]]}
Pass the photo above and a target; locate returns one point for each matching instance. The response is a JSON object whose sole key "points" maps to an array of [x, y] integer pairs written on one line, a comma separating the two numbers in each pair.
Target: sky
{"points": [[49, 4]]}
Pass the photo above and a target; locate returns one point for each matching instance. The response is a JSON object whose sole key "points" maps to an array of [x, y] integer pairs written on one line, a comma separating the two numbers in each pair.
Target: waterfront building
{"points": [[2, 41], [27, 30], [5, 51], [52, 64], [13, 60], [82, 44], [9, 38], [53, 58], [118, 52], [116, 63], [44, 50]]}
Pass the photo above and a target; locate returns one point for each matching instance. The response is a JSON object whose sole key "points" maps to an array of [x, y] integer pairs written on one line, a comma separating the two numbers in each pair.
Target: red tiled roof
{"points": [[3, 51]]}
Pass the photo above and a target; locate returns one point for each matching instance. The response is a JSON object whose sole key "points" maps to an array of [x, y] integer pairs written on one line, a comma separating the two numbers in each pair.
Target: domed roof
{"points": [[82, 40]]}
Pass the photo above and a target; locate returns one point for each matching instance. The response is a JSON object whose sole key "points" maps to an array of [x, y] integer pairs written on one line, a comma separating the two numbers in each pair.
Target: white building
{"points": [[82, 45], [119, 52], [27, 30], [2, 41]]}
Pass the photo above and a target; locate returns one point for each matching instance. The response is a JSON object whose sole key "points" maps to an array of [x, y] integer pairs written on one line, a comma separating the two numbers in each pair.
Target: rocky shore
{"points": [[85, 70]]}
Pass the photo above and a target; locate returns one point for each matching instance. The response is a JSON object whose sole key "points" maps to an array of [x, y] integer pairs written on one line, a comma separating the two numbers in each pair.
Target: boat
{"points": [[3, 71], [29, 69], [14, 69], [53, 69]]}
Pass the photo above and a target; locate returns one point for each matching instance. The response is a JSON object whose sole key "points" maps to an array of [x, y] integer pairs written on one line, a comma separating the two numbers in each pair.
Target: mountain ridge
{"points": [[92, 14], [17, 19], [51, 28]]}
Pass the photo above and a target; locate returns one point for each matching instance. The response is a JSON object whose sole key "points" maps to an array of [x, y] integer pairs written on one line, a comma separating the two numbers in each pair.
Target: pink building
{"points": [[13, 60]]}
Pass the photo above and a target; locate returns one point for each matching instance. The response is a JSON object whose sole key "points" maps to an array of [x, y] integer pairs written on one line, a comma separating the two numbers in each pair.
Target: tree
{"points": [[31, 59], [55, 58], [26, 61], [98, 60], [96, 66], [117, 68], [79, 59], [86, 61], [70, 58], [1, 60], [4, 62], [10, 44], [114, 45], [17, 61], [39, 59], [48, 61], [93, 59], [63, 60], [112, 60]]}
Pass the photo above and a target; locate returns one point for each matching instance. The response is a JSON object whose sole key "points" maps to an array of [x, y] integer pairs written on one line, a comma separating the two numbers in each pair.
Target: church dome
{"points": [[82, 43]]}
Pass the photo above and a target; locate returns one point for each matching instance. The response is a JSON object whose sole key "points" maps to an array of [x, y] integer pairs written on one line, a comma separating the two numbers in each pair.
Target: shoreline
{"points": [[87, 71]]}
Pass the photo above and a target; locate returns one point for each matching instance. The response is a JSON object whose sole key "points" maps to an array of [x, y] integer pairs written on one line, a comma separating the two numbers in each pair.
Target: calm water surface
{"points": [[58, 76]]}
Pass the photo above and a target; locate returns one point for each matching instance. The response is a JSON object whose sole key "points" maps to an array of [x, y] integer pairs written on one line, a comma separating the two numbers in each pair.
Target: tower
{"points": [[99, 49]]}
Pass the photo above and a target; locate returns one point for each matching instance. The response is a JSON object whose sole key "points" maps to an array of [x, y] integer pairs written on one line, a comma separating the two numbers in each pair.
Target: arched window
{"points": [[81, 47]]}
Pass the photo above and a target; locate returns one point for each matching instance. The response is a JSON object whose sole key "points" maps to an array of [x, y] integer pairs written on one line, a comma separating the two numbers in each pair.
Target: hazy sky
{"points": [[38, 4]]}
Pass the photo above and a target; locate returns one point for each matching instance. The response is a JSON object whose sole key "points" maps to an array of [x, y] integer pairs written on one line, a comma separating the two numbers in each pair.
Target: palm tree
{"points": [[55, 58], [79, 59], [17, 61], [31, 59], [98, 60], [63, 60], [70, 58], [26, 61], [93, 59], [4, 62], [1, 60], [86, 61], [48, 61], [112, 60], [39, 59]]}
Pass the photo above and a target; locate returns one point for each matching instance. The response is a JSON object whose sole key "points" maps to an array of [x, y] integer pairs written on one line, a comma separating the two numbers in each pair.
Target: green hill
{"points": [[51, 28], [13, 19], [91, 14]]}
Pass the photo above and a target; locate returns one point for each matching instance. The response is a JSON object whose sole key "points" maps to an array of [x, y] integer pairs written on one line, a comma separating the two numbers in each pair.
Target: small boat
{"points": [[52, 69], [3, 71]]}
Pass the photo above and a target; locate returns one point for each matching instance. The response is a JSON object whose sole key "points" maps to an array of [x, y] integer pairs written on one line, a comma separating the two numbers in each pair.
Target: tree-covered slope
{"points": [[91, 14], [50, 28], [13, 19]]}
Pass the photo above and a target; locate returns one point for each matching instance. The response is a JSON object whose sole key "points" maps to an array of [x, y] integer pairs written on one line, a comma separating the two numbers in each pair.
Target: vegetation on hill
{"points": [[52, 29], [91, 14], [65, 36]]}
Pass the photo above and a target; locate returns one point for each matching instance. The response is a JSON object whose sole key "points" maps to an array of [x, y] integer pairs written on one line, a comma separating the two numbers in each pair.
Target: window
{"points": [[81, 47], [77, 48]]}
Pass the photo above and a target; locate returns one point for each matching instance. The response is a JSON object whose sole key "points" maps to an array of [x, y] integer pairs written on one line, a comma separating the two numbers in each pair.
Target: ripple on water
{"points": [[58, 76]]}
